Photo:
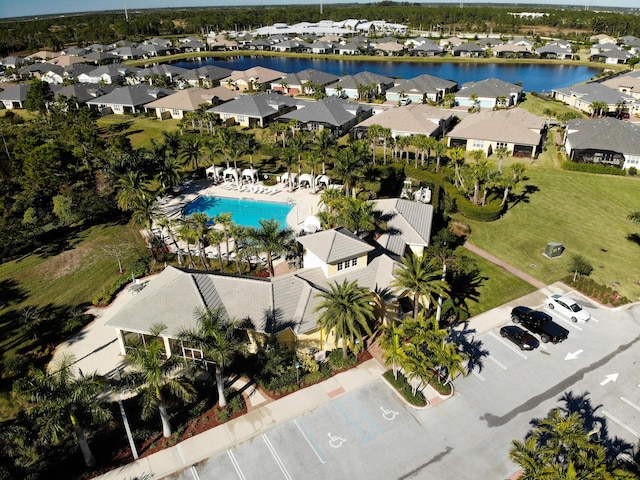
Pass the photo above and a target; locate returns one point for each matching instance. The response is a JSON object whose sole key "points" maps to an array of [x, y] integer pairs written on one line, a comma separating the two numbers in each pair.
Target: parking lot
{"points": [[372, 433]]}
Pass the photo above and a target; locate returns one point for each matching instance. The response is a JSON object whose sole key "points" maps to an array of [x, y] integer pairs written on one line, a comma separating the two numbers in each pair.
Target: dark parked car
{"points": [[539, 322], [520, 337]]}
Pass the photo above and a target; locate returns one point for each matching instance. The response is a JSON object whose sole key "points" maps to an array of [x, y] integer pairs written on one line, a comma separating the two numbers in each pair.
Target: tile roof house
{"points": [[413, 119], [283, 306], [251, 79], [583, 96], [207, 76], [552, 51], [491, 93], [255, 110], [409, 225], [112, 73], [172, 72], [627, 84], [427, 48], [350, 85], [337, 115], [421, 89], [295, 83], [469, 50], [607, 141], [81, 92], [609, 53], [129, 99], [516, 129], [12, 62], [188, 100]]}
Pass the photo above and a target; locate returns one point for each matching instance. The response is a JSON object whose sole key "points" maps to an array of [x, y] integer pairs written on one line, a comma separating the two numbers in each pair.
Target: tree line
{"points": [[56, 32]]}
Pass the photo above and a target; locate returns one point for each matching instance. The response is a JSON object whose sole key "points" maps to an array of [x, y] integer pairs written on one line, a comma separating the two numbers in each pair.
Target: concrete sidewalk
{"points": [[256, 421]]}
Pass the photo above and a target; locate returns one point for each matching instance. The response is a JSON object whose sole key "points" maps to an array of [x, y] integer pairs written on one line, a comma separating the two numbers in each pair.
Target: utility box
{"points": [[553, 250]]}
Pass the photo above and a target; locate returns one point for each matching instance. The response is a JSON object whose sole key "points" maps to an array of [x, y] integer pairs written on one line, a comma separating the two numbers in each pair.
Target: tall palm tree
{"points": [[439, 150], [420, 278], [456, 155], [201, 228], [188, 234], [391, 343], [346, 311], [168, 224], [59, 398], [226, 222], [191, 151], [347, 168], [272, 239], [170, 174], [216, 237], [501, 152], [216, 337], [145, 209], [156, 377]]}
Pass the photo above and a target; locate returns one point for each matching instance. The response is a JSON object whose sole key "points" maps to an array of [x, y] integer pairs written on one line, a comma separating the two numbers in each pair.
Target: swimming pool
{"points": [[245, 212]]}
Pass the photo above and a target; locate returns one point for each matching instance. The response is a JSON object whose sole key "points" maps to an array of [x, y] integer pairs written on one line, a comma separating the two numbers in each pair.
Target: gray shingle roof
{"points": [[330, 111], [412, 119], [333, 246], [423, 84], [134, 95], [489, 88], [604, 134], [364, 78], [316, 77], [258, 106], [595, 92]]}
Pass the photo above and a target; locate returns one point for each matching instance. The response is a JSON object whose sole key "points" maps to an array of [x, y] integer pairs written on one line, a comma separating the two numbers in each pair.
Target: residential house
{"points": [[188, 100], [519, 131], [321, 47], [299, 83], [413, 119], [42, 56], [207, 76], [254, 110], [81, 92], [129, 99], [193, 45], [171, 72], [360, 86], [337, 115], [609, 53], [602, 38], [101, 58], [289, 46], [151, 50], [217, 41], [161, 42], [469, 50], [583, 96], [489, 93], [510, 50], [129, 53], [252, 79], [421, 89], [14, 95], [11, 62], [606, 141], [523, 42], [556, 51], [427, 48], [627, 84], [350, 48], [53, 74], [112, 73], [451, 42], [631, 43], [389, 49]]}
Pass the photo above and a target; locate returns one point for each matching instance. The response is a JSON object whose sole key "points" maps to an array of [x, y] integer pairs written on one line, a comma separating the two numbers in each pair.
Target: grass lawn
{"points": [[139, 128], [69, 275], [499, 287], [538, 106], [587, 213]]}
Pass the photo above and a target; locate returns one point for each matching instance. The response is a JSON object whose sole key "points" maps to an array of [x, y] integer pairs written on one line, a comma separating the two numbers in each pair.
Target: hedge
{"points": [[403, 387], [592, 168]]}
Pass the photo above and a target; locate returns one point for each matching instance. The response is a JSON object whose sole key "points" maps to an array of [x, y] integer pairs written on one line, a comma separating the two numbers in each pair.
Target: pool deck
{"points": [[305, 202]]}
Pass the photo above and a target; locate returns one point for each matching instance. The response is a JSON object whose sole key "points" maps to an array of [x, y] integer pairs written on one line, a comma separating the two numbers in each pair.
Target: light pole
{"points": [[297, 373]]}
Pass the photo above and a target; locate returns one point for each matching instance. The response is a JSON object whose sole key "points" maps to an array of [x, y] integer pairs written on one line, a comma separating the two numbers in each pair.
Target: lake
{"points": [[534, 77]]}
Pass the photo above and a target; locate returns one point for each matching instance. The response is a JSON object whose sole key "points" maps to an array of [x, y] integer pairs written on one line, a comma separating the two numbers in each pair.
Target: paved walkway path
{"points": [[509, 268]]}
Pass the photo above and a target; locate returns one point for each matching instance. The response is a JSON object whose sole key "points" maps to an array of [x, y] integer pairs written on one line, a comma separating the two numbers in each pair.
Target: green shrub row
{"points": [[402, 386], [592, 168], [602, 293], [138, 270]]}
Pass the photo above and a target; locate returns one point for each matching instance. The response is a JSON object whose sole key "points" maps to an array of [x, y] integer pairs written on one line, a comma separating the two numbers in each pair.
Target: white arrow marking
{"points": [[609, 378], [574, 355]]}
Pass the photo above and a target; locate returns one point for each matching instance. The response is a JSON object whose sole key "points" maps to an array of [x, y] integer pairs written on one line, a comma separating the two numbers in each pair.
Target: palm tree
{"points": [[501, 152], [216, 237], [439, 150], [59, 398], [421, 279], [156, 377], [225, 221], [191, 150], [346, 311], [479, 173], [129, 188], [456, 155], [272, 239], [373, 134], [170, 173], [187, 233], [391, 343], [145, 209], [201, 228], [168, 224], [448, 360], [215, 336], [347, 168]]}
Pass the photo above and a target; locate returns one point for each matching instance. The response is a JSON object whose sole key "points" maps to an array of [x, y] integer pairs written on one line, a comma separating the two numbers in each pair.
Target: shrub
{"points": [[236, 404], [632, 172], [488, 213], [223, 415], [401, 385], [337, 362], [592, 168]]}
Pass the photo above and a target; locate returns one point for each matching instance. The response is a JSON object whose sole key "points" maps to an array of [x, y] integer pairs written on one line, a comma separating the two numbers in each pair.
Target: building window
{"points": [[339, 266], [478, 144], [175, 112], [354, 262], [240, 118], [501, 145]]}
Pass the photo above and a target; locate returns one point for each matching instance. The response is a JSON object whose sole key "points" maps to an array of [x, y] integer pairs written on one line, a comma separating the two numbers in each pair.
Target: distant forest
{"points": [[28, 35]]}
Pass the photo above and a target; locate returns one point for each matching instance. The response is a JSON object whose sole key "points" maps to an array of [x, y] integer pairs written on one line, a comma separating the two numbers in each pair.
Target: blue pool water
{"points": [[245, 212]]}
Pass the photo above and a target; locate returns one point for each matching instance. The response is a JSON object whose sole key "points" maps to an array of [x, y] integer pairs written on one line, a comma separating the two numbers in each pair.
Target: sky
{"points": [[19, 8]]}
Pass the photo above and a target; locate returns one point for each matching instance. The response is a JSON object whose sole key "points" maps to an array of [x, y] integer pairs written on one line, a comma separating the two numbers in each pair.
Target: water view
{"points": [[534, 77]]}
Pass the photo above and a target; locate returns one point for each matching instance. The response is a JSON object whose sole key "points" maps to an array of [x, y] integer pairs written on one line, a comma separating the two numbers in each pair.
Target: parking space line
{"points": [[615, 420], [628, 402], [513, 349], [561, 317], [476, 374], [194, 472], [490, 357], [311, 443], [276, 456], [236, 466]]}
